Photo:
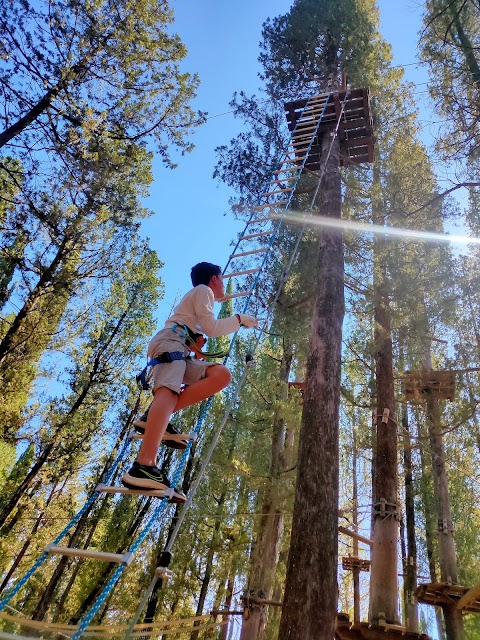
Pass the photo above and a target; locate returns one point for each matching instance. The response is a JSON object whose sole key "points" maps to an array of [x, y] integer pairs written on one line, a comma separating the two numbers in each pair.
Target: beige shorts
{"points": [[173, 374]]}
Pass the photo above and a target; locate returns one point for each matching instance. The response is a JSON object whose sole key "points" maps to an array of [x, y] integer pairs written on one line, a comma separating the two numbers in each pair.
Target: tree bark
{"points": [[446, 541], [310, 601], [410, 567], [384, 578], [428, 509], [356, 570], [266, 547]]}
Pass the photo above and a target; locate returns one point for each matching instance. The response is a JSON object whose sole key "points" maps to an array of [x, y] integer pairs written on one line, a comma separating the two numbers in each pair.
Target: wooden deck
{"points": [[355, 130], [441, 594], [345, 630], [417, 385]]}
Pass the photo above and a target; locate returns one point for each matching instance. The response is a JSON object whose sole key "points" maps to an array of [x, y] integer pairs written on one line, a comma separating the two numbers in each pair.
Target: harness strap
{"points": [[190, 338], [163, 358]]}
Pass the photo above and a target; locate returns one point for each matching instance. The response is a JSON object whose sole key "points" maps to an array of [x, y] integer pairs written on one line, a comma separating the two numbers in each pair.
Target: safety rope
{"points": [[41, 559]]}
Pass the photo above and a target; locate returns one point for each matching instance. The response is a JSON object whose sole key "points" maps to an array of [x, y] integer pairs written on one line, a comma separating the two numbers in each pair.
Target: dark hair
{"points": [[203, 271]]}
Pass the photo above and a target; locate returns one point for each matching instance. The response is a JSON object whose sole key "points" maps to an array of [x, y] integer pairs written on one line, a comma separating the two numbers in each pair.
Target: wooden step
{"points": [[276, 192], [103, 556], [260, 220], [281, 180], [125, 491], [240, 273], [258, 235], [271, 205], [248, 253]]}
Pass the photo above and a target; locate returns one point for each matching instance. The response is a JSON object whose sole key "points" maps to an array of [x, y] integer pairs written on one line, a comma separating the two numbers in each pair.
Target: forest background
{"points": [[82, 294]]}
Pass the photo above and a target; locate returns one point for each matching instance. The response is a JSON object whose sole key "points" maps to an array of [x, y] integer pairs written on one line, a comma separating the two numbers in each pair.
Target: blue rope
{"points": [[41, 559]]}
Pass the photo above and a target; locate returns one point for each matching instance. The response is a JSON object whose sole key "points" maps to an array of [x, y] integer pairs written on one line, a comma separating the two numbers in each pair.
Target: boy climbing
{"points": [[172, 366]]}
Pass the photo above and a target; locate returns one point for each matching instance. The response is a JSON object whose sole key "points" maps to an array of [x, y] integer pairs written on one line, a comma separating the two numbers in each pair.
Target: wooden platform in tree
{"points": [[355, 131], [352, 562], [345, 630], [416, 385], [441, 594]]}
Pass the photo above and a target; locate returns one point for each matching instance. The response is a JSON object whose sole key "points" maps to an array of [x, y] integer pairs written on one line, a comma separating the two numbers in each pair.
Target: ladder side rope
{"points": [[209, 453], [41, 559]]}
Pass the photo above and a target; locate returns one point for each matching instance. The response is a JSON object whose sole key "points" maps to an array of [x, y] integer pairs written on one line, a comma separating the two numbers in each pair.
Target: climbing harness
{"points": [[191, 340]]}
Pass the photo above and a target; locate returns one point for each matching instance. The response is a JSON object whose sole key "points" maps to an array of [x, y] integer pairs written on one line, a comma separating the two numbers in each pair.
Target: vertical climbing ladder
{"points": [[246, 264]]}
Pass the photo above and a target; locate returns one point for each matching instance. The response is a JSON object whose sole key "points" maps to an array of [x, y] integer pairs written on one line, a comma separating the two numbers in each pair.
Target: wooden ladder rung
{"points": [[305, 132], [242, 294], [258, 235], [155, 493], [280, 180], [248, 253], [241, 273], [103, 556], [271, 205], [275, 193], [260, 220], [282, 170]]}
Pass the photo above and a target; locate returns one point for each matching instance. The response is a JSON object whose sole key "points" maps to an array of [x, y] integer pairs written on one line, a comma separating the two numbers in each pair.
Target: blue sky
{"points": [[222, 39]]}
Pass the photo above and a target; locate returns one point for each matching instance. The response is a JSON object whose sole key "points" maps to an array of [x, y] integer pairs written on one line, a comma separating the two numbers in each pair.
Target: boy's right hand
{"points": [[248, 321]]}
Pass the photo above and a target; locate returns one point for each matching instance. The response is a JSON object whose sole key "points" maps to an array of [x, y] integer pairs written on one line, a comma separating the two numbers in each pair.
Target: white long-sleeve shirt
{"points": [[195, 310]]}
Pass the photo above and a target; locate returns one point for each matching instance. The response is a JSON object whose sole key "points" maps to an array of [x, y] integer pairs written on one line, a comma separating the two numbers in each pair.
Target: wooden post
{"points": [[446, 541]]}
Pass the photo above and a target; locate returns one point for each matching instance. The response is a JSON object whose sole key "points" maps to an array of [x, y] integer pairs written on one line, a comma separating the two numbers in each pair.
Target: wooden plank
{"points": [[276, 192], [357, 536], [241, 273], [155, 493], [103, 556], [469, 598], [258, 235], [248, 253]]}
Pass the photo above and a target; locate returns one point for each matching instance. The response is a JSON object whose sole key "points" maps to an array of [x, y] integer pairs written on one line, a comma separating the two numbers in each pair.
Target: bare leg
{"points": [[216, 379], [165, 402]]}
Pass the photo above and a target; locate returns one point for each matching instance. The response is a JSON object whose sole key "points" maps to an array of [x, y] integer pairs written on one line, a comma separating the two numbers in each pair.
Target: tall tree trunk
{"points": [[310, 601], [207, 574], [426, 494], [410, 566], [28, 541], [228, 603], [410, 555], [384, 578], [266, 547], [446, 541], [356, 570]]}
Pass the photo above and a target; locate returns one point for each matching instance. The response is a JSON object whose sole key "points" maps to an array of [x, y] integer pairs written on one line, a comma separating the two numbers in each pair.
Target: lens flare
{"points": [[294, 217]]}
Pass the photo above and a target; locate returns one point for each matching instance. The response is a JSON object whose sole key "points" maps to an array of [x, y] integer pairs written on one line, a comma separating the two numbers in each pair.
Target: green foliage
{"points": [[314, 41], [449, 44], [108, 69]]}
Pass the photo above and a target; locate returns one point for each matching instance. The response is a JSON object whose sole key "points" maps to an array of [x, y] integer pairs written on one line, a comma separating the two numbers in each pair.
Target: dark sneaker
{"points": [[172, 437], [142, 476]]}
